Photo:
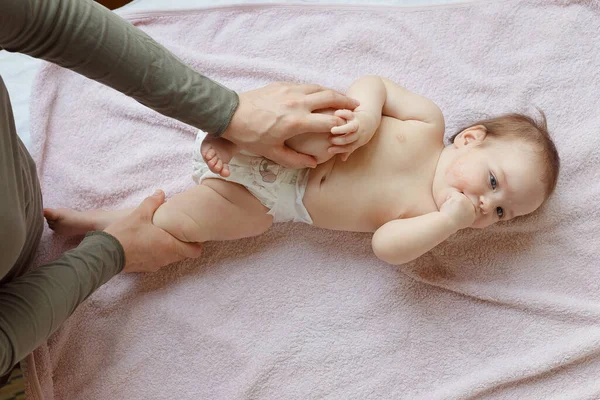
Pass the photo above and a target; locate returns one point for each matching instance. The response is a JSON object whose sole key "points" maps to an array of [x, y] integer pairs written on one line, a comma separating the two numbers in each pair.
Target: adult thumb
{"points": [[151, 204], [189, 250]]}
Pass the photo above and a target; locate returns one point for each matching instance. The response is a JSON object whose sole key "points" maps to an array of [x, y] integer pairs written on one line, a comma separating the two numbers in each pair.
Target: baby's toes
{"points": [[209, 153], [211, 162], [51, 224], [225, 171], [51, 215], [218, 166]]}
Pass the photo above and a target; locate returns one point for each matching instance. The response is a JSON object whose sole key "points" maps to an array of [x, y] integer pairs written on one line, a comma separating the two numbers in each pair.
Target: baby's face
{"points": [[502, 179]]}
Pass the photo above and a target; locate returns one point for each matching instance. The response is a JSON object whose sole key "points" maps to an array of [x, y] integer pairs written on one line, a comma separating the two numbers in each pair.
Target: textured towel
{"points": [[512, 312]]}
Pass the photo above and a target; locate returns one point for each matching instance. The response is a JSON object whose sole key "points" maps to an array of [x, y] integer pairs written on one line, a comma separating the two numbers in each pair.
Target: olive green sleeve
{"points": [[89, 39], [35, 304]]}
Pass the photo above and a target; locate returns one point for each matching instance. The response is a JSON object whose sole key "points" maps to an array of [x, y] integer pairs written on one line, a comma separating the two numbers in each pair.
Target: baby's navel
{"points": [[400, 137]]}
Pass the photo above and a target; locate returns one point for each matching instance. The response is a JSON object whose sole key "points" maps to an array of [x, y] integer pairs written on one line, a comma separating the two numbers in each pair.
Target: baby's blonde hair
{"points": [[527, 129]]}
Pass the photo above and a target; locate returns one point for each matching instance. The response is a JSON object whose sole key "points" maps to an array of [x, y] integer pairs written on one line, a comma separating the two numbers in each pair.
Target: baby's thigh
{"points": [[213, 210], [314, 144]]}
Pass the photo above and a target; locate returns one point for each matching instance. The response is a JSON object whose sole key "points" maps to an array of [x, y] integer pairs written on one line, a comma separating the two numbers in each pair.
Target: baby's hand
{"points": [[356, 132], [460, 210]]}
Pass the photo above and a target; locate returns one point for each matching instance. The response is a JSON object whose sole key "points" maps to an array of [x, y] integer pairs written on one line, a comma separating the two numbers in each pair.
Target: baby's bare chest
{"points": [[389, 178]]}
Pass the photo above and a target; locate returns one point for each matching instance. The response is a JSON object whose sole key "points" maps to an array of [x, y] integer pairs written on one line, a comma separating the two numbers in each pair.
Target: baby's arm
{"points": [[379, 96], [402, 240], [371, 92], [405, 105], [363, 121]]}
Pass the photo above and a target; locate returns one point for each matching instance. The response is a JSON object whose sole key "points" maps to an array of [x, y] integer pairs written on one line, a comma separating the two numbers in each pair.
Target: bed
{"points": [[509, 312]]}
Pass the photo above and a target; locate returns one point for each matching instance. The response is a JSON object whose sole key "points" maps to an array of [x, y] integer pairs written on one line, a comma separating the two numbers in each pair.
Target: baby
{"points": [[385, 171]]}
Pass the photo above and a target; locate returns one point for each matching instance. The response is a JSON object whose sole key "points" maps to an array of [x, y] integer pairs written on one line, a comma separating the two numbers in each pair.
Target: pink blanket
{"points": [[512, 312]]}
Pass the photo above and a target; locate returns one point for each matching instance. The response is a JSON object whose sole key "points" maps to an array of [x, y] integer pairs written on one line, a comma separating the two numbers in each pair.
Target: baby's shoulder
{"points": [[416, 132]]}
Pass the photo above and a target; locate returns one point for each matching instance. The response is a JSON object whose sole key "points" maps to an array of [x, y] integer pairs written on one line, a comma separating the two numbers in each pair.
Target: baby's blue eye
{"points": [[493, 181], [500, 212]]}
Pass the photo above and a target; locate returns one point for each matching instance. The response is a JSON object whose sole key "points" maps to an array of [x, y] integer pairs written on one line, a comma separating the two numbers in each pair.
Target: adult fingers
{"points": [[314, 122], [309, 88], [330, 99], [150, 204], [188, 250]]}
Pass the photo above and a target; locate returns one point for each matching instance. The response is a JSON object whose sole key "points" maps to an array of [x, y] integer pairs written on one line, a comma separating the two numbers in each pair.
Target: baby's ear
{"points": [[472, 135]]}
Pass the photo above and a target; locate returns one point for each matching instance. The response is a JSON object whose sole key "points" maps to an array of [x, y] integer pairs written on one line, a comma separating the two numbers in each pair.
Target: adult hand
{"points": [[267, 117], [147, 248]]}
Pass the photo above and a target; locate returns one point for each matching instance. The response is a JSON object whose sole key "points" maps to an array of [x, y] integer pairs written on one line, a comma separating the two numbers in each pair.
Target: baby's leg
{"points": [[313, 144], [215, 210], [67, 221]]}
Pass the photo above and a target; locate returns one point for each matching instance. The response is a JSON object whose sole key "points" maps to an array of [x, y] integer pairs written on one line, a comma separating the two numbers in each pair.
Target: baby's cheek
{"points": [[462, 176]]}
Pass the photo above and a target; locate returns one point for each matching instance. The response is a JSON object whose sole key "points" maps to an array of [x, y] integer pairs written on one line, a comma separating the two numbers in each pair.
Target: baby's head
{"points": [[507, 166]]}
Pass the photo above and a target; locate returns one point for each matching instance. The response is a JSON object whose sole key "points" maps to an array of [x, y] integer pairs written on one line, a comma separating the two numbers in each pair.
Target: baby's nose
{"points": [[483, 205]]}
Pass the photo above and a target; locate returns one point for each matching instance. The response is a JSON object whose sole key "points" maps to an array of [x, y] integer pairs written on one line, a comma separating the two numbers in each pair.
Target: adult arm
{"points": [[89, 39], [35, 304]]}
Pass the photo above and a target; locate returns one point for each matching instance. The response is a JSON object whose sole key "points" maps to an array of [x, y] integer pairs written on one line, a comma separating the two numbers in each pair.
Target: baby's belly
{"points": [[348, 201]]}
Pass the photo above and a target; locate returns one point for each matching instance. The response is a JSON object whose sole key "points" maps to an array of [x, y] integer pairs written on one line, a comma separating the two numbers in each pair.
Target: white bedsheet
{"points": [[18, 71]]}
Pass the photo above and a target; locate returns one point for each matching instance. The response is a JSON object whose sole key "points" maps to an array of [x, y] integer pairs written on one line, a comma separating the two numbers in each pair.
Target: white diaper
{"points": [[278, 188]]}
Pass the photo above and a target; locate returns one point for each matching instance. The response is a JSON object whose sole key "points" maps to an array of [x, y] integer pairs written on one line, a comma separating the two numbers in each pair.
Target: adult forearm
{"points": [[89, 39], [403, 240], [34, 305]]}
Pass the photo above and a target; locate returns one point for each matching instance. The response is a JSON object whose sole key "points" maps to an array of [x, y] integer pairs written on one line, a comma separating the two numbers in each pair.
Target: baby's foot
{"points": [[217, 152], [66, 221]]}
